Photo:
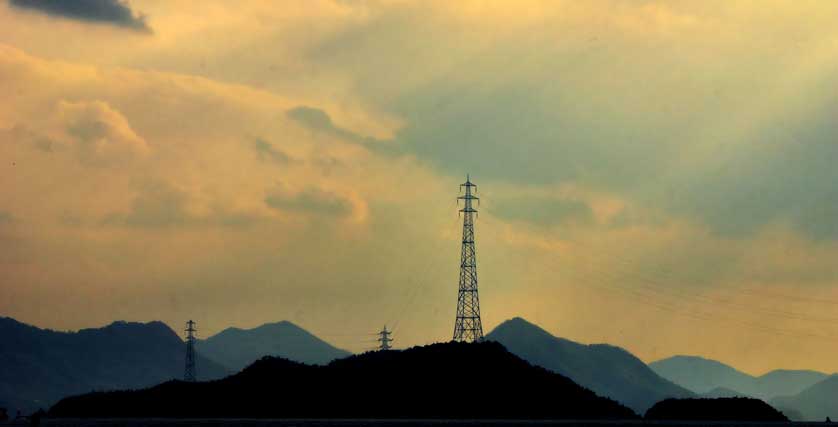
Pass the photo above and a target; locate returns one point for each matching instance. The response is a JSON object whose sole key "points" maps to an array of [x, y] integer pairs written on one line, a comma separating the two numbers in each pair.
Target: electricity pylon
{"points": [[189, 373], [384, 339], [468, 327]]}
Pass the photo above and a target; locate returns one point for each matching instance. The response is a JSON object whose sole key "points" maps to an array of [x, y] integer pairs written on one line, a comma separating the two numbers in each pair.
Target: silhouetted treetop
{"points": [[450, 380], [720, 409]]}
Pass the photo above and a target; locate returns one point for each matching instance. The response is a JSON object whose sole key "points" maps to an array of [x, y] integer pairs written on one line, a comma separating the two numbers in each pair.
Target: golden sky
{"points": [[655, 175]]}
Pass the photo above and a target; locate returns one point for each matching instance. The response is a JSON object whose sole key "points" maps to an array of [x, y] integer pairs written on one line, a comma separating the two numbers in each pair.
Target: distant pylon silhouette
{"points": [[384, 339], [468, 327], [189, 373]]}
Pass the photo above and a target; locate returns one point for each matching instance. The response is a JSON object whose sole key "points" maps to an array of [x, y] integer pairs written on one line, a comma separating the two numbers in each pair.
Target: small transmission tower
{"points": [[384, 339], [189, 374], [468, 327]]}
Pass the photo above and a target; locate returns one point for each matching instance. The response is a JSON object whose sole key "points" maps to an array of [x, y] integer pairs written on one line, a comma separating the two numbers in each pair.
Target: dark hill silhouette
{"points": [[236, 348], [703, 375], [451, 380], [722, 409], [814, 403], [722, 392], [607, 370], [40, 366]]}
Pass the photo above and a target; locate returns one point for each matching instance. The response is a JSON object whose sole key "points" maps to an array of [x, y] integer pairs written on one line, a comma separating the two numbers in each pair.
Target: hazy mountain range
{"points": [[704, 375], [800, 394], [815, 403], [40, 366], [607, 370], [236, 348], [450, 380]]}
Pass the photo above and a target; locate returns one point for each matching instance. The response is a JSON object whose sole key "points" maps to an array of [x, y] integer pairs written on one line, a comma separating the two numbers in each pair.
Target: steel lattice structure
{"points": [[384, 339], [468, 327], [189, 373]]}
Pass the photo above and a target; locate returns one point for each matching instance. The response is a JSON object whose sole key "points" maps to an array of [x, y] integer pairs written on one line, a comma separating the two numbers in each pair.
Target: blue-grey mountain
{"points": [[704, 375], [815, 403], [237, 348], [607, 370], [40, 366]]}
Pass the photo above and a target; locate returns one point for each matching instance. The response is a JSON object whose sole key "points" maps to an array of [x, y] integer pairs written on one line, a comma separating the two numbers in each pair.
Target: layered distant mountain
{"points": [[40, 366], [704, 375], [607, 370], [236, 348], [452, 381], [815, 403]]}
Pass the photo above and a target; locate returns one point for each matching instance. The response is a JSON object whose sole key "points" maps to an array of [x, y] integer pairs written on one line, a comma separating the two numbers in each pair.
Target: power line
{"points": [[650, 295]]}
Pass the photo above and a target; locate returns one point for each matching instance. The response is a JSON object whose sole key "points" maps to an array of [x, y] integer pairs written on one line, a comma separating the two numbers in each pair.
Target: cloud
{"points": [[549, 99], [113, 12], [99, 133], [156, 206], [318, 120], [267, 151], [543, 210], [780, 175], [160, 205], [310, 201]]}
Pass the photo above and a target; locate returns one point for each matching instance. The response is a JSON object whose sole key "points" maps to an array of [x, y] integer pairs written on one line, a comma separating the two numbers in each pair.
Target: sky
{"points": [[654, 175]]}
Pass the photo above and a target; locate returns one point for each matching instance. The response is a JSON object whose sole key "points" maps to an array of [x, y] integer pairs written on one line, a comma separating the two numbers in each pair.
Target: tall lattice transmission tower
{"points": [[189, 371], [384, 339], [468, 327]]}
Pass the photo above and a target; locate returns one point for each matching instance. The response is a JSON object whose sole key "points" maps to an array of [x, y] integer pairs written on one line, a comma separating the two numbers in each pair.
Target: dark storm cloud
{"points": [[542, 211], [113, 12], [310, 201]]}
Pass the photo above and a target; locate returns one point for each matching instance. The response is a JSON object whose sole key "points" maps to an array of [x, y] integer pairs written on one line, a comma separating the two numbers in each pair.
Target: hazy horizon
{"points": [[656, 175]]}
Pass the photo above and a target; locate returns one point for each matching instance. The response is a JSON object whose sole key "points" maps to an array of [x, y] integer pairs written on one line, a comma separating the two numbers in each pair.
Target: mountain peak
{"points": [[605, 369], [42, 366], [237, 348], [519, 325]]}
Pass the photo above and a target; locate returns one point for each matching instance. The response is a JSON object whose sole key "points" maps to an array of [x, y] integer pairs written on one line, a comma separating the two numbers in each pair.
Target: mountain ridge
{"points": [[606, 369], [41, 366], [507, 388], [702, 375], [236, 347], [815, 403]]}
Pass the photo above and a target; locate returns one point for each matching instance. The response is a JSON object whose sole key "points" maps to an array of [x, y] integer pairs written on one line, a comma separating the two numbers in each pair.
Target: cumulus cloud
{"points": [[99, 133], [113, 12]]}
